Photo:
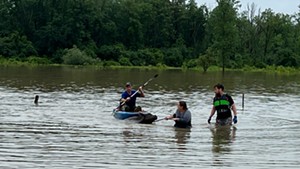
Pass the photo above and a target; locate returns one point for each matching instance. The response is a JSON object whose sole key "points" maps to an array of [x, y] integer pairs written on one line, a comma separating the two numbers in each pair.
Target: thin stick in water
{"points": [[243, 100]]}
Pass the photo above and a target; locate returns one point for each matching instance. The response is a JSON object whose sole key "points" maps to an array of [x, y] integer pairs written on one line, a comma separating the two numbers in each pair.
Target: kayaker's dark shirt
{"points": [[131, 102], [185, 119], [223, 106]]}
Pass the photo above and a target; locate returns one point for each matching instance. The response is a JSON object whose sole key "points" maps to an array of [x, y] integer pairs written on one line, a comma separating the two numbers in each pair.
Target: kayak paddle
{"points": [[160, 119]]}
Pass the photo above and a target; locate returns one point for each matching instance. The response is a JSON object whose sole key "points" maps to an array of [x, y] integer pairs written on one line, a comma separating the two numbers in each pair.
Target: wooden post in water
{"points": [[243, 101]]}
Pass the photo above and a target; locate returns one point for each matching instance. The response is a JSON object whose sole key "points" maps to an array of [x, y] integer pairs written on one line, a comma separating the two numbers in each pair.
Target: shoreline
{"points": [[35, 62]]}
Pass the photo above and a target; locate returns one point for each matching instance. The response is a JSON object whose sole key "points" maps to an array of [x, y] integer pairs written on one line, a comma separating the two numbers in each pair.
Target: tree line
{"points": [[176, 33]]}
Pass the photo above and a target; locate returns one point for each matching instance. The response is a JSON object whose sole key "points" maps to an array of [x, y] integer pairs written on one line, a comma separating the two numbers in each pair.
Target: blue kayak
{"points": [[136, 116], [122, 115]]}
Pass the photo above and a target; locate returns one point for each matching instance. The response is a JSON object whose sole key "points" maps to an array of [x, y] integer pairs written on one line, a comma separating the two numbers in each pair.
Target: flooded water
{"points": [[73, 126]]}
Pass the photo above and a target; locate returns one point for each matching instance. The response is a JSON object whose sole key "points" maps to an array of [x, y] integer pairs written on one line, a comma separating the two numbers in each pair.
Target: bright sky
{"points": [[278, 6]]}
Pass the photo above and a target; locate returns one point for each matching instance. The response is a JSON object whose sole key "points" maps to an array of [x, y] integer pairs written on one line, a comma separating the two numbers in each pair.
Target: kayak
{"points": [[122, 115], [145, 118]]}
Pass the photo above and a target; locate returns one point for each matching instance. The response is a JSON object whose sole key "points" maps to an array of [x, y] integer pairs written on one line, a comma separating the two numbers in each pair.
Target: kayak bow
{"points": [[136, 116], [122, 115]]}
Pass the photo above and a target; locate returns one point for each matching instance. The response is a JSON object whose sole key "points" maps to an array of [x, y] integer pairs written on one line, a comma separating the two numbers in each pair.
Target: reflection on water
{"points": [[131, 134], [222, 137], [73, 126], [182, 135]]}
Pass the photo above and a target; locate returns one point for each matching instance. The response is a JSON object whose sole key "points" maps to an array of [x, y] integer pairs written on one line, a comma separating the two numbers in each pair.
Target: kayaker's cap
{"points": [[128, 84]]}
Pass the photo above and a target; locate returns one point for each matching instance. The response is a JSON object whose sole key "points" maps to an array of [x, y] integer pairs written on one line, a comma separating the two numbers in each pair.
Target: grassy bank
{"points": [[273, 69], [38, 61], [30, 61]]}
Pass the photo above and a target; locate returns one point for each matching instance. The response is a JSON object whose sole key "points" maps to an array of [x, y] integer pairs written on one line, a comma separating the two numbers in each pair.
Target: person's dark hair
{"points": [[128, 84], [219, 86], [183, 104]]}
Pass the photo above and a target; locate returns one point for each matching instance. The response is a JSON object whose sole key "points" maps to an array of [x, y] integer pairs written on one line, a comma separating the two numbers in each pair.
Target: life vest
{"points": [[222, 106]]}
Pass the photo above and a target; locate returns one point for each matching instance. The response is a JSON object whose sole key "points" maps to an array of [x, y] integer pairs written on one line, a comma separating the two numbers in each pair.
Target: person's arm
{"points": [[233, 107], [172, 116], [123, 98], [212, 113], [185, 119], [141, 92], [234, 113]]}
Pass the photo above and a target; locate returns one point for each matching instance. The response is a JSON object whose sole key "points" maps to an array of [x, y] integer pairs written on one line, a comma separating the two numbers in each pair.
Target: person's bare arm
{"points": [[141, 91], [212, 112], [233, 107]]}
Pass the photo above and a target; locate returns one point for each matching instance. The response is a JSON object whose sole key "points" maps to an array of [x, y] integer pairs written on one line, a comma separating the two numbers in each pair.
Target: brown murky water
{"points": [[72, 127]]}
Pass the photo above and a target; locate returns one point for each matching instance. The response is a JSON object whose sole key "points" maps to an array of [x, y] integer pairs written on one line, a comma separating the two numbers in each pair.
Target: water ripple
{"points": [[72, 127]]}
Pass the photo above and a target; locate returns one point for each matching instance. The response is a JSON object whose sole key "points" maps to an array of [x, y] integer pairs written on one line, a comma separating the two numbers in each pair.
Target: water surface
{"points": [[72, 127]]}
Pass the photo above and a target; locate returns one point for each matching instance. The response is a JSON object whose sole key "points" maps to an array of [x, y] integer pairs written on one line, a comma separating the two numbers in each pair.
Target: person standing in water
{"points": [[129, 99], [223, 103], [182, 116], [36, 100]]}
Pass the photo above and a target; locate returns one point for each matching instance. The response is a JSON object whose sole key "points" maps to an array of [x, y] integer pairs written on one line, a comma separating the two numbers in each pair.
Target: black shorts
{"points": [[223, 122]]}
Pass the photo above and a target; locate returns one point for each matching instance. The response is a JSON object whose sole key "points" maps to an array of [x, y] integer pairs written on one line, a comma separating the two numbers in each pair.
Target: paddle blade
{"points": [[149, 80]]}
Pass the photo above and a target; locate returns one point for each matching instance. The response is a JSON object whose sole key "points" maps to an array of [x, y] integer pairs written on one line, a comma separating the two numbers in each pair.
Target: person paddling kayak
{"points": [[182, 116], [223, 103], [130, 99]]}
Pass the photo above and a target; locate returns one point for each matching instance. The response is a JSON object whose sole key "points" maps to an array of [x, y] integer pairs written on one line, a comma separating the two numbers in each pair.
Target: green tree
{"points": [[223, 21], [158, 30], [7, 21], [144, 32], [249, 36], [16, 45], [194, 27], [75, 56], [206, 60], [111, 52], [296, 45]]}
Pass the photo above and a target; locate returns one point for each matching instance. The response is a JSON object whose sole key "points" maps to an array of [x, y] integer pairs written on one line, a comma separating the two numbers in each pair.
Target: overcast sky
{"points": [[278, 6]]}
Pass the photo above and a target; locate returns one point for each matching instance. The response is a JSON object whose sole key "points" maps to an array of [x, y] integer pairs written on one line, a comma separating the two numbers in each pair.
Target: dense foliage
{"points": [[148, 32]]}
